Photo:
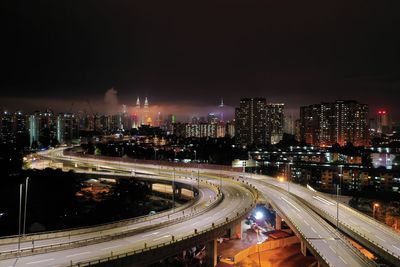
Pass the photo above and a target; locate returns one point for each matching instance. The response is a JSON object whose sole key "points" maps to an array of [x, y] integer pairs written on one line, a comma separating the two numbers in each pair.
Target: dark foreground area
{"points": [[60, 200]]}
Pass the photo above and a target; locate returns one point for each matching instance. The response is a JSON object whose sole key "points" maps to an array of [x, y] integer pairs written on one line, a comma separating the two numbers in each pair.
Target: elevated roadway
{"points": [[160, 237], [330, 248], [377, 237]]}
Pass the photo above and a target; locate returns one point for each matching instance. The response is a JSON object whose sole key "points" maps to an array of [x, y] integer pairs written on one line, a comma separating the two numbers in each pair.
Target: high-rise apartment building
{"points": [[6, 126], [274, 123], [339, 122], [257, 122], [34, 124], [250, 121], [67, 128]]}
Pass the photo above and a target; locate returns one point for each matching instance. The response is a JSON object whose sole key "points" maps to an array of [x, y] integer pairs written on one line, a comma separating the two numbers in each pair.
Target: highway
{"points": [[321, 238], [236, 199], [357, 222], [207, 196]]}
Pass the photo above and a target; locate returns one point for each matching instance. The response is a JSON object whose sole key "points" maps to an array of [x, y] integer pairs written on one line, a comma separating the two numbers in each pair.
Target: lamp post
{"points": [[337, 207], [198, 177], [340, 174], [25, 206], [374, 208], [173, 191], [191, 173], [19, 218]]}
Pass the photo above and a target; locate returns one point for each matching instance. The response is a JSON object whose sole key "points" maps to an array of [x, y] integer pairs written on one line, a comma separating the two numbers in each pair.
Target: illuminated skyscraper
{"points": [[146, 113], [33, 130], [250, 121], [274, 124], [67, 128], [6, 124], [136, 115], [340, 122], [383, 122], [221, 106]]}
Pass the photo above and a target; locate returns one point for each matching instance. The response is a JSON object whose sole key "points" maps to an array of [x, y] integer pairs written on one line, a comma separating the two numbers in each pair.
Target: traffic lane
{"points": [[205, 195], [321, 237], [376, 232], [136, 242]]}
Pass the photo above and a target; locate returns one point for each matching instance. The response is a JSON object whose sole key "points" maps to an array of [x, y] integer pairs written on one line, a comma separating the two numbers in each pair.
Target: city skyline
{"points": [[186, 56], [110, 105], [202, 134]]}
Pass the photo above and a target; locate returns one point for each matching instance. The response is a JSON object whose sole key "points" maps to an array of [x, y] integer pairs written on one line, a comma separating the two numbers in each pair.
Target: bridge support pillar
{"points": [[303, 248], [236, 231], [211, 253], [278, 222]]}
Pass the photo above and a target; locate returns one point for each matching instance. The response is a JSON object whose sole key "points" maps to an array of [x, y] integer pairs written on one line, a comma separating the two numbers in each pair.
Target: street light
{"points": [[173, 191], [374, 208], [155, 153], [26, 202], [259, 215], [340, 174], [338, 187], [19, 218], [337, 207]]}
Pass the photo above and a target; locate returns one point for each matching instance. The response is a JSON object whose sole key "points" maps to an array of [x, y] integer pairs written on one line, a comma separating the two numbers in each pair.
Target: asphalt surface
{"points": [[236, 198], [321, 236]]}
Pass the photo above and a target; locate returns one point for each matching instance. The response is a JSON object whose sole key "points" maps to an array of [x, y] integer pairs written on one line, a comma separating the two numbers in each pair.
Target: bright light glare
{"points": [[259, 215]]}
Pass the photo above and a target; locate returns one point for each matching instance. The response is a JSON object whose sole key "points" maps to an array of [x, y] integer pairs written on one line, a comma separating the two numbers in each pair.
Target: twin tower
{"points": [[141, 116]]}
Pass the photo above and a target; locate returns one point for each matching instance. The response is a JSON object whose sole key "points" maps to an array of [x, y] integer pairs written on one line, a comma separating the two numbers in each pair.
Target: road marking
{"points": [[332, 249], [380, 238], [313, 230], [77, 254], [306, 222], [34, 262], [343, 260], [290, 203], [135, 240], [110, 247], [324, 241], [396, 247], [151, 234], [323, 200], [155, 239]]}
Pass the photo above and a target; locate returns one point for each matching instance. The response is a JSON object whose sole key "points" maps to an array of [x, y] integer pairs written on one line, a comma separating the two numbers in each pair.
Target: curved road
{"points": [[236, 198], [321, 237]]}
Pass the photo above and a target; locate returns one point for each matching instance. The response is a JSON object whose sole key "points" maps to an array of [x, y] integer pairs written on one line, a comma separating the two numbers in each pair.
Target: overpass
{"points": [[377, 237], [149, 245]]}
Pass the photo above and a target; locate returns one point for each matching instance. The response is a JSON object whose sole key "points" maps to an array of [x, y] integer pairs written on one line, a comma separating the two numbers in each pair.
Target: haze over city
{"points": [[199, 133], [188, 56]]}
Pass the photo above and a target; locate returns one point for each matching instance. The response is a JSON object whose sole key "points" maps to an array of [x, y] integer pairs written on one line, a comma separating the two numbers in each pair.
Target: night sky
{"points": [[192, 53]]}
